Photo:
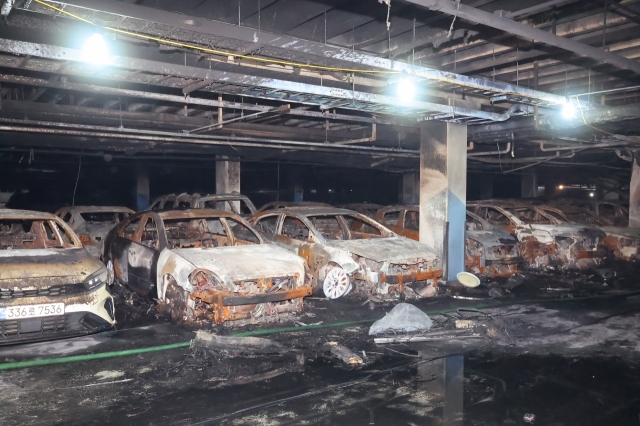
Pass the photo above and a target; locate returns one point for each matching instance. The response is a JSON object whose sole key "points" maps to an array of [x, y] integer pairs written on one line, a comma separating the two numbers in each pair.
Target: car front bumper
{"points": [[86, 313]]}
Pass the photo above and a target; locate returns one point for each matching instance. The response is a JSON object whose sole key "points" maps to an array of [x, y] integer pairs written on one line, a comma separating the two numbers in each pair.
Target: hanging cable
{"points": [[452, 22]]}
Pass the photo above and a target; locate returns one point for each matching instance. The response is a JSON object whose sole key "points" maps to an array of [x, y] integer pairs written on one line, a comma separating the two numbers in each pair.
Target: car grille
{"points": [[57, 290], [46, 325]]}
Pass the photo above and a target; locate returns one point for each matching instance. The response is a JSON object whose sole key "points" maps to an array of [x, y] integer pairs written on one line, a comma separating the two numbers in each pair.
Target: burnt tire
{"points": [[175, 301]]}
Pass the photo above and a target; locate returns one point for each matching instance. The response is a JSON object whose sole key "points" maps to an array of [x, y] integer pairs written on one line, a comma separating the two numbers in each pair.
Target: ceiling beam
{"points": [[279, 90], [323, 53], [529, 33]]}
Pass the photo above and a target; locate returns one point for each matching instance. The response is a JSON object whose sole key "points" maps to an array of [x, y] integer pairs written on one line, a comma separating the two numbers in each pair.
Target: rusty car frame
{"points": [[367, 209], [205, 265], [50, 287], [233, 202], [490, 251], [623, 242], [92, 223], [344, 249], [545, 241], [274, 205]]}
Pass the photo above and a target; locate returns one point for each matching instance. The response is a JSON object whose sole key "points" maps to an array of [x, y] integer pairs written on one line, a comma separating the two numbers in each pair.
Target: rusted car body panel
{"points": [[93, 232], [545, 241], [234, 202], [43, 267], [489, 251], [206, 264], [273, 205], [623, 242], [378, 261]]}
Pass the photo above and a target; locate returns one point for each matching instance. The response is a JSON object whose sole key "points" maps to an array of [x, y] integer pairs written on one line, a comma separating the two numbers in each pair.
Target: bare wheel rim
{"points": [[110, 272], [336, 283]]}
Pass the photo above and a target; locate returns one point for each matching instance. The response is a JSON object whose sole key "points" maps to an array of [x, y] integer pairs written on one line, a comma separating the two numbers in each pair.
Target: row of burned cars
{"points": [[217, 258]]}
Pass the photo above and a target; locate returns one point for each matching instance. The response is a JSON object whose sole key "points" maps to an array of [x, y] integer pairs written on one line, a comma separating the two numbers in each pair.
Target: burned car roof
{"points": [[195, 213], [97, 209], [311, 210], [11, 213]]}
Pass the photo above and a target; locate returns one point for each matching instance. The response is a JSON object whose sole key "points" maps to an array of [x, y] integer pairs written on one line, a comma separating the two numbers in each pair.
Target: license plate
{"points": [[31, 311]]}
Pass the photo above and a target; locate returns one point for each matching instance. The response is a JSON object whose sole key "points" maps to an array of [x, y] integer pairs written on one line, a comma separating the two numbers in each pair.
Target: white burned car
{"points": [[92, 223], [344, 248], [50, 287], [205, 264]]}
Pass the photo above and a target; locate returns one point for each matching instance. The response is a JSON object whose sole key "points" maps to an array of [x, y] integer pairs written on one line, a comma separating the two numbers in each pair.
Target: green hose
{"points": [[103, 355]]}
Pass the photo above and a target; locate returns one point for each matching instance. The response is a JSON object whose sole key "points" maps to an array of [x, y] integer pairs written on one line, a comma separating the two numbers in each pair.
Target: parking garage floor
{"points": [[568, 358]]}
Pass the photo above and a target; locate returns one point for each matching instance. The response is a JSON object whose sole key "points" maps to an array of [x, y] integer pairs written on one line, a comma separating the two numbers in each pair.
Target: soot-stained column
{"points": [[529, 184], [634, 192], [142, 187], [443, 192], [227, 176]]}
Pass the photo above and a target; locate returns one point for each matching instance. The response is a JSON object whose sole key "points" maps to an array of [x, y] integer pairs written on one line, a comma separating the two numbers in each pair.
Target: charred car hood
{"points": [[571, 230], [45, 267], [393, 250], [492, 238], [244, 262]]}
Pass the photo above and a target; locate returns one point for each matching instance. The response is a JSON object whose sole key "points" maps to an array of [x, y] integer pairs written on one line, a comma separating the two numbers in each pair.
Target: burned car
{"points": [[273, 205], [205, 265], [50, 287], [489, 251], [609, 211], [544, 240], [623, 242], [91, 224], [345, 249], [234, 202], [366, 209]]}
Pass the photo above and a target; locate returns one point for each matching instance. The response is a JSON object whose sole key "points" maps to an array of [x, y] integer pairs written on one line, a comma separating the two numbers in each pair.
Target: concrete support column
{"points": [[634, 192], [227, 176], [529, 184], [298, 192], [443, 192], [142, 187], [410, 191], [486, 188]]}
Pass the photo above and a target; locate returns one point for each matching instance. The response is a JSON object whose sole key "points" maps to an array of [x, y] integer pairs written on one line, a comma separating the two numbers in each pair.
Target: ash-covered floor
{"points": [[554, 350]]}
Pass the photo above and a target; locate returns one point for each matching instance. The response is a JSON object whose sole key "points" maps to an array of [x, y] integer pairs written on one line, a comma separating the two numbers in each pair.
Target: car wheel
{"points": [[175, 300], [336, 283], [111, 274]]}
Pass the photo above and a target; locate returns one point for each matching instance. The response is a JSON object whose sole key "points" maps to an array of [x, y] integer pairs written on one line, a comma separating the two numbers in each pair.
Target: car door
{"points": [[142, 256], [117, 247], [294, 235]]}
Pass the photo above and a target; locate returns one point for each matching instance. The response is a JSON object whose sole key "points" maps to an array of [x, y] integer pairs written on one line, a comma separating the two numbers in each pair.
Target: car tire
{"points": [[336, 283], [175, 301]]}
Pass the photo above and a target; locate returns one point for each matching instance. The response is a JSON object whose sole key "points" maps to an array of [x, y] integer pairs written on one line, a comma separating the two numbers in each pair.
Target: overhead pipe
{"points": [[186, 100], [498, 152], [160, 136], [523, 159], [373, 138]]}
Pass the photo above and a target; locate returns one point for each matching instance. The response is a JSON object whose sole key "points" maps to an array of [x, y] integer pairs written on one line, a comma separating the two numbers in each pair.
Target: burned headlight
{"points": [[201, 279], [96, 279]]}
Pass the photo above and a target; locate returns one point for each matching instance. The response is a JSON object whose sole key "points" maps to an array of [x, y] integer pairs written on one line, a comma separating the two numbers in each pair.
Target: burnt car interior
{"points": [[448, 221], [18, 234], [200, 232]]}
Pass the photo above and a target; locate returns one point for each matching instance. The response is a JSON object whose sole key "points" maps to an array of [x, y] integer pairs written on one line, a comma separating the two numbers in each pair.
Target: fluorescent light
{"points": [[405, 89], [568, 110], [95, 50]]}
